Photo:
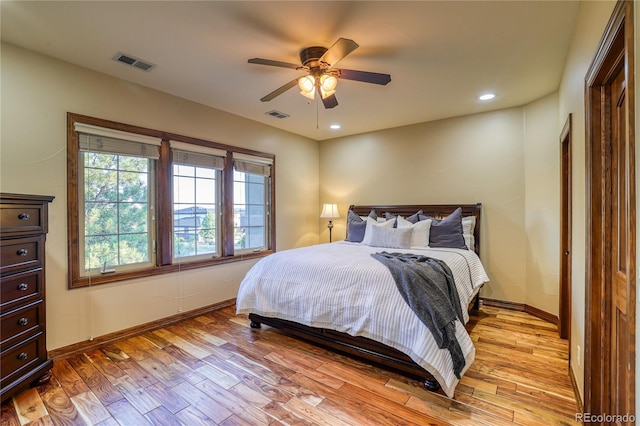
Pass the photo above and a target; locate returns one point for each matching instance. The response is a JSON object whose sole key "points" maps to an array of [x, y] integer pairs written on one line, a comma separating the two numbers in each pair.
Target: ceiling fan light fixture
{"points": [[319, 62], [328, 85], [307, 86]]}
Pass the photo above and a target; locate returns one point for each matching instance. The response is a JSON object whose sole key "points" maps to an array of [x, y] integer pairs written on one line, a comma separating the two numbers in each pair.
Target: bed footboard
{"points": [[360, 347]]}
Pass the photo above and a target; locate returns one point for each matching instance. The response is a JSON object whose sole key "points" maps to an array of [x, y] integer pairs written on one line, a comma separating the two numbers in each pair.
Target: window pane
{"points": [[133, 248], [207, 233], [116, 211], [132, 187], [184, 244], [195, 194], [206, 191], [133, 218], [100, 161], [181, 170], [255, 236], [133, 164], [100, 185], [249, 211], [100, 251], [100, 218], [184, 190], [205, 173]]}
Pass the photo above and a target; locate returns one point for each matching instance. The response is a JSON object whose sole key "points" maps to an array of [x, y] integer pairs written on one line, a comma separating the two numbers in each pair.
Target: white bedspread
{"points": [[340, 286]]}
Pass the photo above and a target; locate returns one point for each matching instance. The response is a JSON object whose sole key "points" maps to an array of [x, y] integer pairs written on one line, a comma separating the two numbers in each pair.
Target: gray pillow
{"points": [[415, 218], [448, 231], [356, 226], [390, 216], [390, 237]]}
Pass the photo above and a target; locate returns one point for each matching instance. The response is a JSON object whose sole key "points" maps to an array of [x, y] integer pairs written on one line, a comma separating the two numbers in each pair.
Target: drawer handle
{"points": [[23, 321], [22, 356], [23, 287], [22, 252], [23, 216]]}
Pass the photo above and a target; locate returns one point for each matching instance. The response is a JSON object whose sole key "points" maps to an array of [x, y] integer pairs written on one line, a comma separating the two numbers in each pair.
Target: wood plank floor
{"points": [[214, 369]]}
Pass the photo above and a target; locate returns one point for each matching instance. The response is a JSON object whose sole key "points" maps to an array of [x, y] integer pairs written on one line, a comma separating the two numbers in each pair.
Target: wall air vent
{"points": [[133, 61], [277, 114]]}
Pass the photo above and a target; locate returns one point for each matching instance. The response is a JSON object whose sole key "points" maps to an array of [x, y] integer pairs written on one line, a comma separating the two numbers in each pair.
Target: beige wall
{"points": [[542, 203], [590, 25], [476, 158], [37, 92]]}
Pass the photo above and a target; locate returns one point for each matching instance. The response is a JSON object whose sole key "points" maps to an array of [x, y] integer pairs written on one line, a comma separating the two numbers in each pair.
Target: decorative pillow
{"points": [[420, 234], [414, 218], [448, 231], [401, 222], [390, 237], [356, 226], [374, 224], [372, 214], [468, 227], [391, 216]]}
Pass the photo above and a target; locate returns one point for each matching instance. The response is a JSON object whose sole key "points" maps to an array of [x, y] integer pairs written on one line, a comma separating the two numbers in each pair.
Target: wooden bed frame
{"points": [[361, 347]]}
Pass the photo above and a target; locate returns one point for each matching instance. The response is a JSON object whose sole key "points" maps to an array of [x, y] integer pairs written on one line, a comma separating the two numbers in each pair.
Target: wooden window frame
{"points": [[164, 262]]}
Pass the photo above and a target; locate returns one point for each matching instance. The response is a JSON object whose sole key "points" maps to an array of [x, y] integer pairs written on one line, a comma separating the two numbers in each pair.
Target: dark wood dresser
{"points": [[23, 349]]}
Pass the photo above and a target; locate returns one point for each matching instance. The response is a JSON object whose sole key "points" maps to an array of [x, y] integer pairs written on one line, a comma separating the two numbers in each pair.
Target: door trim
{"points": [[615, 51], [564, 309]]}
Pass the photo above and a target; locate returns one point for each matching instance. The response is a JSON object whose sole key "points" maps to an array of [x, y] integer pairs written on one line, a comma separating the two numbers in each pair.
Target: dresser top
{"points": [[6, 197]]}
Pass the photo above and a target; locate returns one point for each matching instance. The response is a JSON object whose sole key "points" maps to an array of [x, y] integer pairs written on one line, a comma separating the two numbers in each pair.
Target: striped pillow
{"points": [[391, 237]]}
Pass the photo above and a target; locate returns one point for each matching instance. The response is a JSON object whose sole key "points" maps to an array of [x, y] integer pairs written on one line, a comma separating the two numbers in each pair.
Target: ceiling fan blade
{"points": [[280, 90], [364, 76], [261, 61], [338, 51], [330, 102]]}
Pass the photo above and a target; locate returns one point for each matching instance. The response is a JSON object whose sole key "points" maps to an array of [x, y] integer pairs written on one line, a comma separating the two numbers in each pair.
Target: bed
{"points": [[339, 296]]}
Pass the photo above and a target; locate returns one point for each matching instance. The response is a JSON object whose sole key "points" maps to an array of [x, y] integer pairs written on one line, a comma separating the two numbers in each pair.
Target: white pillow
{"points": [[420, 235], [391, 237], [371, 223], [468, 226]]}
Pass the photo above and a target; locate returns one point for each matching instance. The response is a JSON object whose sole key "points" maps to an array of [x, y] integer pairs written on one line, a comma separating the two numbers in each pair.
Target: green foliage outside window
{"points": [[116, 201]]}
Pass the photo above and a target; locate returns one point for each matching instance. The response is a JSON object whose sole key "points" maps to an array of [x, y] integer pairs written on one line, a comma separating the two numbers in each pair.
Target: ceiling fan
{"points": [[322, 76]]}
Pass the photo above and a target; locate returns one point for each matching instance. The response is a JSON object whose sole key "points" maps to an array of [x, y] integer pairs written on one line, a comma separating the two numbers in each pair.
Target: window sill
{"points": [[94, 280]]}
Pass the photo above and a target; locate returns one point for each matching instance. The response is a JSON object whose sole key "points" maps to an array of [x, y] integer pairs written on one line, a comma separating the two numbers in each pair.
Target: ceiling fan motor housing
{"points": [[310, 56]]}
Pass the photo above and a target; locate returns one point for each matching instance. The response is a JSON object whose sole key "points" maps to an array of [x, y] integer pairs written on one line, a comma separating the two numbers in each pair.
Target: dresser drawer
{"points": [[20, 323], [20, 288], [21, 253], [20, 358], [22, 219]]}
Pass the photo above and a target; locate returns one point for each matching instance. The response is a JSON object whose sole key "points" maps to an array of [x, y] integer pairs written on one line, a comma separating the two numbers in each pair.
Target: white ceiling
{"points": [[441, 55]]}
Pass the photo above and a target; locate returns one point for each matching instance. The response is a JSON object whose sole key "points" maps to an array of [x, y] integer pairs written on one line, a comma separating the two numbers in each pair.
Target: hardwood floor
{"points": [[214, 369]]}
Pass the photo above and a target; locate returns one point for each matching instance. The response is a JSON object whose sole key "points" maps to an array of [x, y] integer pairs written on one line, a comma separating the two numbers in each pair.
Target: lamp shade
{"points": [[328, 85], [307, 86], [330, 211]]}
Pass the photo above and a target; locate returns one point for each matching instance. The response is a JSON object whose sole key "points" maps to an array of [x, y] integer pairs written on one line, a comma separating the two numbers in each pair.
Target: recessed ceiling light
{"points": [[486, 97], [334, 126]]}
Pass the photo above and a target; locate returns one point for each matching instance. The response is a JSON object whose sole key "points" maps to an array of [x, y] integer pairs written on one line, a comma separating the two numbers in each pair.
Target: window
{"points": [[117, 180], [250, 207], [196, 194], [144, 202]]}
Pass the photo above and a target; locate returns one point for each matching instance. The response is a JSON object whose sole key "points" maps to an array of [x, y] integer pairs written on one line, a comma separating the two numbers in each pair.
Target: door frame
{"points": [[564, 309], [615, 50]]}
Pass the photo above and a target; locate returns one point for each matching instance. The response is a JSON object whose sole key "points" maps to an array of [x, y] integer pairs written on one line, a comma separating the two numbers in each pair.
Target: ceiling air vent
{"points": [[277, 114], [133, 61]]}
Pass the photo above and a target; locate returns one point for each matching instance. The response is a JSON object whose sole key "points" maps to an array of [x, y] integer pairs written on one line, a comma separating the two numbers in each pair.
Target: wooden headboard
{"points": [[434, 210]]}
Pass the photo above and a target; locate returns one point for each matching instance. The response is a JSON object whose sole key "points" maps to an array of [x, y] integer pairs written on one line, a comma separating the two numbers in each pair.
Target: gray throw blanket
{"points": [[427, 285]]}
